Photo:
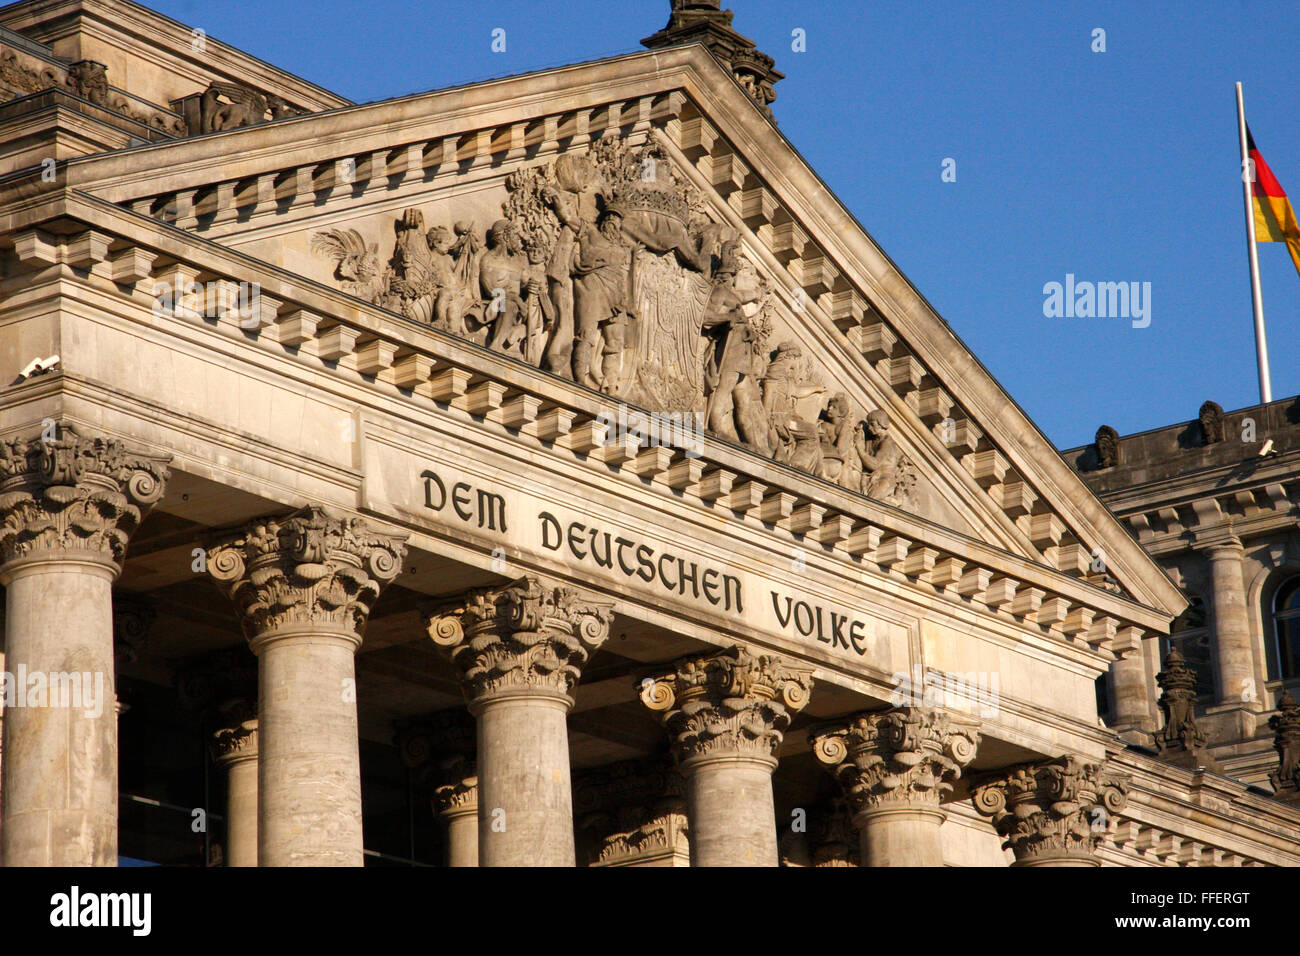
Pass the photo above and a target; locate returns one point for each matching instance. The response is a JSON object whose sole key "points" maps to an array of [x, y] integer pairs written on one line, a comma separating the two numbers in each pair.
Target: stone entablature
{"points": [[307, 323], [1179, 817], [417, 148]]}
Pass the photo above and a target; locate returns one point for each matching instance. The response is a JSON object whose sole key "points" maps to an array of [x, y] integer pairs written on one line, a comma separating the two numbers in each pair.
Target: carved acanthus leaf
{"points": [[906, 756], [730, 702], [74, 493], [1060, 808], [311, 567], [526, 635]]}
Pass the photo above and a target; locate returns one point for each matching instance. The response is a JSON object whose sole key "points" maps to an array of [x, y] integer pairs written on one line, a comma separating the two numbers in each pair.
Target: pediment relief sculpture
{"points": [[606, 269]]}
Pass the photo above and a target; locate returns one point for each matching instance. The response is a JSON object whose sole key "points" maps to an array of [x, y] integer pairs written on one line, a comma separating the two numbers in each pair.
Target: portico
{"points": [[420, 598]]}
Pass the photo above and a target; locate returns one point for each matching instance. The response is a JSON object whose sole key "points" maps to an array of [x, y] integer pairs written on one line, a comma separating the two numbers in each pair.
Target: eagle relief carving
{"points": [[606, 269]]}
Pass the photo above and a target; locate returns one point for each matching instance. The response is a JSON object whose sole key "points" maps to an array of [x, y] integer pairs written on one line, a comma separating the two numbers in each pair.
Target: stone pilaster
{"points": [[304, 586], [895, 768], [727, 712], [1053, 813], [520, 651], [68, 506], [235, 752], [635, 813]]}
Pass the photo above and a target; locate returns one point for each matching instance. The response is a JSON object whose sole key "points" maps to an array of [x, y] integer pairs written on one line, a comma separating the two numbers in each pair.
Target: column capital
{"points": [[635, 812], [310, 570], [233, 744], [526, 638], [902, 758], [1218, 543], [728, 704], [458, 793], [1054, 811], [67, 495]]}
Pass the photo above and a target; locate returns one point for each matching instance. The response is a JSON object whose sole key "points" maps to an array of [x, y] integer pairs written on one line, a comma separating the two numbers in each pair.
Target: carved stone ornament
{"points": [[728, 703], [1107, 442], [1055, 810], [607, 269], [635, 811], [309, 569], [458, 793], [1177, 682], [525, 637], [908, 756], [1286, 739], [22, 74], [1211, 422], [706, 22], [72, 494], [235, 743]]}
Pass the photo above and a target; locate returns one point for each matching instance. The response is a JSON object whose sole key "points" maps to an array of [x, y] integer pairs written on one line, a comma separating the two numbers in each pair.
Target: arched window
{"points": [[1190, 633], [1285, 653]]}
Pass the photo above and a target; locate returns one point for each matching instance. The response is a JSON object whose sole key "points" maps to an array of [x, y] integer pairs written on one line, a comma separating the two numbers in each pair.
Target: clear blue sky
{"points": [[1114, 166]]}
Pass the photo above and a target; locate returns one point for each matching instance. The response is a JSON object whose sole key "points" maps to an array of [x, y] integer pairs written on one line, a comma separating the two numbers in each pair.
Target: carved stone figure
{"points": [[787, 381], [840, 434], [89, 80], [1211, 419], [888, 476], [737, 327], [356, 265], [501, 283], [242, 106], [449, 292], [412, 288], [601, 309], [1286, 729], [1107, 441]]}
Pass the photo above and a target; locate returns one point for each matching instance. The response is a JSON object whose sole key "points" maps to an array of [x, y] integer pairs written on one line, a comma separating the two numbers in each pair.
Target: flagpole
{"points": [[1247, 180]]}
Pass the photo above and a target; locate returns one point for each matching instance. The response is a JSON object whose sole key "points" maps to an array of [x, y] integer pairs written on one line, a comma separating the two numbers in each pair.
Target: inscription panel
{"points": [[640, 556]]}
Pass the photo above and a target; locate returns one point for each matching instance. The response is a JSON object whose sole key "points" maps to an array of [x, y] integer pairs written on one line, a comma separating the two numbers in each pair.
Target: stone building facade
{"points": [[545, 471], [1213, 500]]}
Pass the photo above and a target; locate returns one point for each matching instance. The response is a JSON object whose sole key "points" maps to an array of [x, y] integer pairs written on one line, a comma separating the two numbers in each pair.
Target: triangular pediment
{"points": [[734, 285]]}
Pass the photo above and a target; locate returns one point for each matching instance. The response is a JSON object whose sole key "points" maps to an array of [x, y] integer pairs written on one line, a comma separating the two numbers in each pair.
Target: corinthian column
{"points": [[727, 712], [1053, 813], [520, 651], [236, 753], [304, 586], [67, 509], [895, 768]]}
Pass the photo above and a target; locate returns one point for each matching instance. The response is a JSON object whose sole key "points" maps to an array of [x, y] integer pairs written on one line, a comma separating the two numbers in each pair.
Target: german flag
{"points": [[1274, 218]]}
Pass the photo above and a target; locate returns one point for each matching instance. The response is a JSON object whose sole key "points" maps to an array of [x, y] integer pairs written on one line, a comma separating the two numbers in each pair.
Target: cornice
{"points": [[897, 544]]}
